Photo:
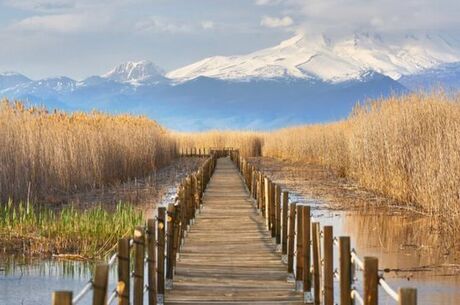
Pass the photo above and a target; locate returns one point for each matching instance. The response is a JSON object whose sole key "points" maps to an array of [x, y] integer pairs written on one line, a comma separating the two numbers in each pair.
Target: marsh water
{"points": [[407, 247], [411, 252]]}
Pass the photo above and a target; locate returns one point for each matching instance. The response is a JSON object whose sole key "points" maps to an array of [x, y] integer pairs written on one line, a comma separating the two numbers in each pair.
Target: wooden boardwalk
{"points": [[229, 257]]}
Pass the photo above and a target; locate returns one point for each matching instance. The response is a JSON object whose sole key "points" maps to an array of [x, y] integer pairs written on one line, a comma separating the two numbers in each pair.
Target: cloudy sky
{"points": [[79, 38]]}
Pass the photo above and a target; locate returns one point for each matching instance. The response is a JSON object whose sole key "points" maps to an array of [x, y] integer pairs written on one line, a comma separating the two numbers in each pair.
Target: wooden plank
{"points": [[229, 256]]}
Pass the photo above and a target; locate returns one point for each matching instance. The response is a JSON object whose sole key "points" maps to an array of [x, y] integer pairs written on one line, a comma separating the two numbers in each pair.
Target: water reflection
{"points": [[31, 282], [409, 248]]}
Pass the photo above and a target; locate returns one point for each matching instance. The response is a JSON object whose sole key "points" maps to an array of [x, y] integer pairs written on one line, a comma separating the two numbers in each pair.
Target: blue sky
{"points": [[79, 38]]}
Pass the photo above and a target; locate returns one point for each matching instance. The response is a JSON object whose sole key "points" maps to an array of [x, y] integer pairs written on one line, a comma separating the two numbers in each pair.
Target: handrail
{"points": [[88, 286], [356, 296], [195, 184]]}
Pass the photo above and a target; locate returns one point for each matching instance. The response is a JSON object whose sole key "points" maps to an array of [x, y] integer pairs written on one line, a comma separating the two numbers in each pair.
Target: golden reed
{"points": [[42, 153]]}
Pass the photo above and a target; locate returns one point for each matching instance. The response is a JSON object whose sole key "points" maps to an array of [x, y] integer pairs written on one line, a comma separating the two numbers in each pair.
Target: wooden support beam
{"points": [[407, 296], [371, 280], [328, 284], [345, 270], [62, 298], [316, 250], [139, 256], [123, 271], [285, 222], [291, 236], [151, 263], [161, 227], [100, 282], [278, 214]]}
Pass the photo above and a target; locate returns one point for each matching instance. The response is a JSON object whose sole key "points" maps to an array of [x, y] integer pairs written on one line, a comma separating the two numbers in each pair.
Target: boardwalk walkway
{"points": [[229, 256]]}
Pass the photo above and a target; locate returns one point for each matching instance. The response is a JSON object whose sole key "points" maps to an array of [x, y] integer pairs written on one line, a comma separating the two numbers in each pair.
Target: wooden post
{"points": [[62, 298], [371, 280], [299, 248], [151, 252], [278, 214], [291, 236], [188, 199], [316, 262], [267, 202], [407, 296], [284, 222], [272, 209], [139, 256], [161, 253], [170, 242], [328, 277], [100, 282], [306, 250], [123, 271], [345, 270]]}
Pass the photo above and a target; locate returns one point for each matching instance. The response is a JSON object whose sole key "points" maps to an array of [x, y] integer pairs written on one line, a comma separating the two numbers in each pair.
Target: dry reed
{"points": [[406, 147], [43, 154], [249, 143]]}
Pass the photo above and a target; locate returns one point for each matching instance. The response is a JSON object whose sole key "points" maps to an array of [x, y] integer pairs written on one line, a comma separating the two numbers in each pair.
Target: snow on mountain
{"points": [[330, 60], [12, 79], [136, 73]]}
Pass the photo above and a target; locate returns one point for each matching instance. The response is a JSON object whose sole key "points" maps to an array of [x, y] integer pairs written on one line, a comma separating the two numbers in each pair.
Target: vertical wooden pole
{"points": [[328, 277], [267, 202], [161, 253], [151, 263], [100, 282], [62, 298], [188, 199], [306, 250], [316, 262], [291, 236], [139, 255], [272, 209], [170, 242], [284, 222], [407, 296], [123, 271], [278, 213], [371, 280], [299, 248], [345, 270]]}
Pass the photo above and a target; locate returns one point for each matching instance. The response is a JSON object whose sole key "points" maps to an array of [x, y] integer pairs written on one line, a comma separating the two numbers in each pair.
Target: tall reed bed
{"points": [[406, 147], [42, 231], [44, 153], [249, 143]]}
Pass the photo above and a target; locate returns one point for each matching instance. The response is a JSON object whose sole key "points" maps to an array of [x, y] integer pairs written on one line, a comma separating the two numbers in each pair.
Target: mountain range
{"points": [[304, 79]]}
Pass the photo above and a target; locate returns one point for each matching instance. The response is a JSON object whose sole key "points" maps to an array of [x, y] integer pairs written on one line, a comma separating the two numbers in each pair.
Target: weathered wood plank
{"points": [[229, 257]]}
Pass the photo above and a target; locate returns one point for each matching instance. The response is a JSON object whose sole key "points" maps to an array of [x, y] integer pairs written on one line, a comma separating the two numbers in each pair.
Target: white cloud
{"points": [[158, 24], [274, 22], [268, 2], [339, 16], [207, 24], [63, 23]]}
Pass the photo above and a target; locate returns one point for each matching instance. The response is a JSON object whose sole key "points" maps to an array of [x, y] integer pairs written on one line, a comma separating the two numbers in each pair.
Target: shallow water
{"points": [[416, 255], [408, 246]]}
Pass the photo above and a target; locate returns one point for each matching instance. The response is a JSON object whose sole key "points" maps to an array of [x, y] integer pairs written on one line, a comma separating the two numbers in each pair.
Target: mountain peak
{"points": [[136, 72], [334, 60]]}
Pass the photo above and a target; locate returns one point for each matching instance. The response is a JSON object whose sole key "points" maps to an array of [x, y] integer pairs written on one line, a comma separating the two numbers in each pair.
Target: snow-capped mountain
{"points": [[316, 78], [328, 59], [136, 73], [12, 79]]}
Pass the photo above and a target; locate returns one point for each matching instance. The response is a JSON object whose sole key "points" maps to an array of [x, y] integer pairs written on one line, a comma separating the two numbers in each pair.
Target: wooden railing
{"points": [[307, 249], [153, 248], [311, 250]]}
